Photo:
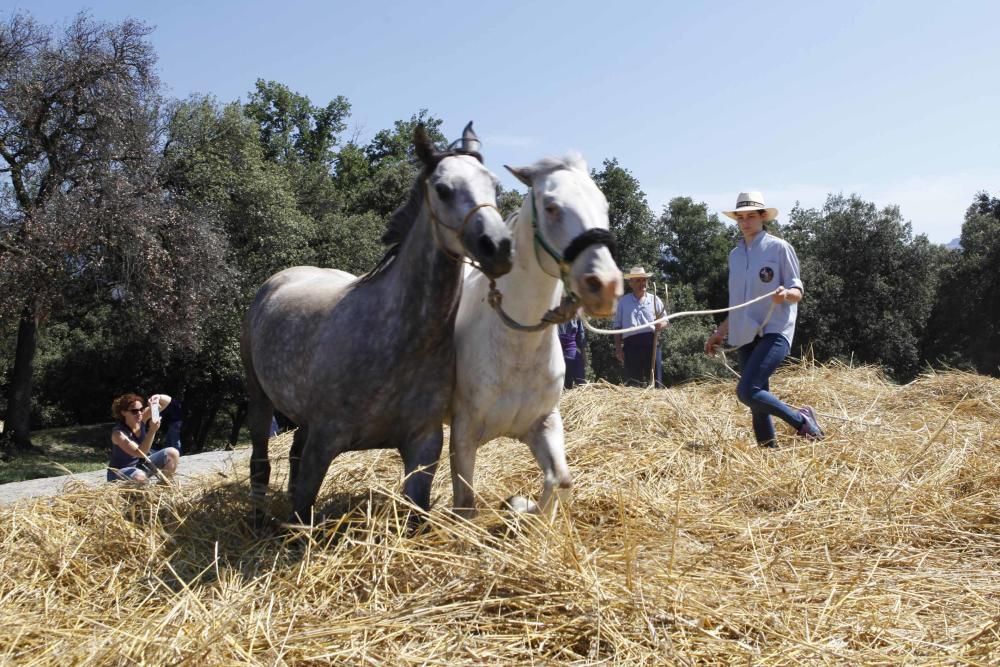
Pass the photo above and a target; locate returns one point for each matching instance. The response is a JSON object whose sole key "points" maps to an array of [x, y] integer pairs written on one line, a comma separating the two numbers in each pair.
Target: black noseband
{"points": [[587, 239]]}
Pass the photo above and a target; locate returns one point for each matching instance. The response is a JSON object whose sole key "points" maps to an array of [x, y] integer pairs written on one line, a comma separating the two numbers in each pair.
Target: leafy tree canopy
{"points": [[869, 283]]}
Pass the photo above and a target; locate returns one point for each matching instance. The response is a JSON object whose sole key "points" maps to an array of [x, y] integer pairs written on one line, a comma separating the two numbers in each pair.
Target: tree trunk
{"points": [[205, 427], [17, 427], [238, 416], [191, 428]]}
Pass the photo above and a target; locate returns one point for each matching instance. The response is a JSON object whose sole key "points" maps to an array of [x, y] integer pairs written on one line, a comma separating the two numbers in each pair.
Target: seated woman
{"points": [[131, 438]]}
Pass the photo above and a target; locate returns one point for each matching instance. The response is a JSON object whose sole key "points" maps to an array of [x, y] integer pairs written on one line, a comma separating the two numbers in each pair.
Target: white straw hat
{"points": [[752, 201], [637, 272]]}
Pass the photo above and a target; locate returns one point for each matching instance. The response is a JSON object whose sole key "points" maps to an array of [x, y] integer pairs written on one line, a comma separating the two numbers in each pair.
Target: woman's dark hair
{"points": [[121, 404]]}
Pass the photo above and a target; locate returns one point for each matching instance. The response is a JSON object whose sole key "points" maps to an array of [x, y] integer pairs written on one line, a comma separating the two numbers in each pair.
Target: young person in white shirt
{"points": [[760, 264]]}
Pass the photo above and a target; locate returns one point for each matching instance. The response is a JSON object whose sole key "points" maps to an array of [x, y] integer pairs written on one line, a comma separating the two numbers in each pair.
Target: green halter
{"points": [[564, 266], [570, 303]]}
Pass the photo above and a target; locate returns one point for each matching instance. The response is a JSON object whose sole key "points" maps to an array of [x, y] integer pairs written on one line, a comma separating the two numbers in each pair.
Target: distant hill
{"points": [[954, 244]]}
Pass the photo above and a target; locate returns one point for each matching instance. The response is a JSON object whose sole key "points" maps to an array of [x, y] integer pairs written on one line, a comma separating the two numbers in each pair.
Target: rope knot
{"points": [[564, 312], [494, 297]]}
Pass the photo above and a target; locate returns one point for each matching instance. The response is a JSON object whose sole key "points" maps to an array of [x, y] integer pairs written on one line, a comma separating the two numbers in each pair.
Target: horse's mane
{"points": [[572, 160], [402, 219]]}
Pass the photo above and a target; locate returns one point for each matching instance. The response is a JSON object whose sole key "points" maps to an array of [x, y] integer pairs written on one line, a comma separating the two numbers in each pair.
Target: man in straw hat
{"points": [[761, 264], [638, 350]]}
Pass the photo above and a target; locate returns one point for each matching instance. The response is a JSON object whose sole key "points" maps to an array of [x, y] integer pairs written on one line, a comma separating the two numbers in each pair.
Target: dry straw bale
{"points": [[685, 544]]}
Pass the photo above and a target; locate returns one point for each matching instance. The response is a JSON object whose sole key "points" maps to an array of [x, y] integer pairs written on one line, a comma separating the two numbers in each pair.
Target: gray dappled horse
{"points": [[369, 363]]}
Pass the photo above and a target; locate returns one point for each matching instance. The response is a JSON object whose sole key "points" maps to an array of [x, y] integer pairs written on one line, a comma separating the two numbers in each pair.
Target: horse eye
{"points": [[443, 191], [552, 211]]}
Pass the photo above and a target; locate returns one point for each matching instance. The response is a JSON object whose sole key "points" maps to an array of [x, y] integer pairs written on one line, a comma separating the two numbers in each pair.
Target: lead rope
{"points": [[561, 314], [760, 332], [686, 313], [666, 318], [570, 303]]}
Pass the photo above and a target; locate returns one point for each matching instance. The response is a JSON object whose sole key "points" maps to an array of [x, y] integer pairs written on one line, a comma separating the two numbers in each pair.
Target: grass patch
{"points": [[35, 466], [63, 450]]}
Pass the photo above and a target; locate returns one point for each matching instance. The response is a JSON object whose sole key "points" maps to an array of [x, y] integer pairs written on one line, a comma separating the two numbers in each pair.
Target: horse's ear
{"points": [[423, 145], [470, 141], [522, 174]]}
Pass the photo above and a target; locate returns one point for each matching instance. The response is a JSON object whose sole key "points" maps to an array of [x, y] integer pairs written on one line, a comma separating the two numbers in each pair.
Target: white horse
{"points": [[508, 380]]}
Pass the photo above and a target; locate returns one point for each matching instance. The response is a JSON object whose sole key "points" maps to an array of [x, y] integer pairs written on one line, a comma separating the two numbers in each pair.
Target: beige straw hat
{"points": [[637, 272], [752, 201]]}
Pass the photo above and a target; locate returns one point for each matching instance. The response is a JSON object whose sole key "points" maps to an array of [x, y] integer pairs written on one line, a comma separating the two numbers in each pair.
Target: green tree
{"points": [[292, 129], [638, 243], [965, 325], [376, 178], [82, 218], [696, 248], [632, 222], [683, 342], [508, 201], [302, 138], [870, 284], [696, 251], [214, 159]]}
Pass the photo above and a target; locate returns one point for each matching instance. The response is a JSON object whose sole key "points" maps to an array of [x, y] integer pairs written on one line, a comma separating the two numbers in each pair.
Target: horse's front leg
{"points": [[548, 447], [462, 455], [420, 460]]}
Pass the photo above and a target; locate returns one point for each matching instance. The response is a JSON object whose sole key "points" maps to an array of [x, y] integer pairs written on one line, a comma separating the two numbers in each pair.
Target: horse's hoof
{"points": [[520, 505], [263, 525], [465, 513]]}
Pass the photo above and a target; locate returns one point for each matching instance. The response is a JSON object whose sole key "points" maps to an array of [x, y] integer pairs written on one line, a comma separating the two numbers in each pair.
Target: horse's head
{"points": [[461, 195], [572, 230]]}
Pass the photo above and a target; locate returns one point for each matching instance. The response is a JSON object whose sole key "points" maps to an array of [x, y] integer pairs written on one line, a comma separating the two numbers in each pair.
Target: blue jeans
{"points": [[159, 459], [576, 370], [758, 360], [173, 436]]}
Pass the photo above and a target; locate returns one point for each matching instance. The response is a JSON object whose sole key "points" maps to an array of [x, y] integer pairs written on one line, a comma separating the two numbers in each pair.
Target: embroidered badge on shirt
{"points": [[766, 274]]}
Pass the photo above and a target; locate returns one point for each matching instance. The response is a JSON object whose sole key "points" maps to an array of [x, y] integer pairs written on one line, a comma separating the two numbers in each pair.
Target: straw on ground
{"points": [[685, 544]]}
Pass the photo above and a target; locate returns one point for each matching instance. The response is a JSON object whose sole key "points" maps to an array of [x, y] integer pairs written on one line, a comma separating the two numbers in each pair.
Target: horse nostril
{"points": [[486, 247], [593, 283], [503, 250]]}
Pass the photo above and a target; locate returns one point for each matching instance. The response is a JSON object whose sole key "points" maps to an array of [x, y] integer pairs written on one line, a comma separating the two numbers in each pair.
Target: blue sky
{"points": [[895, 101]]}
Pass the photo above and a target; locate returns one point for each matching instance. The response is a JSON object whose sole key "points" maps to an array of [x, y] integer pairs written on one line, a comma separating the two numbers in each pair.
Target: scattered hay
{"points": [[685, 544]]}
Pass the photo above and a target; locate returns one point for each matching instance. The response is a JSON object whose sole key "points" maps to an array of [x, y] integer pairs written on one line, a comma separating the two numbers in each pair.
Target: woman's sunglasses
{"points": [[135, 411]]}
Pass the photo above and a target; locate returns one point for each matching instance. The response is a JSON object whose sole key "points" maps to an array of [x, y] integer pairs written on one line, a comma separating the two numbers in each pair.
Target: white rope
{"points": [[665, 318], [723, 351]]}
